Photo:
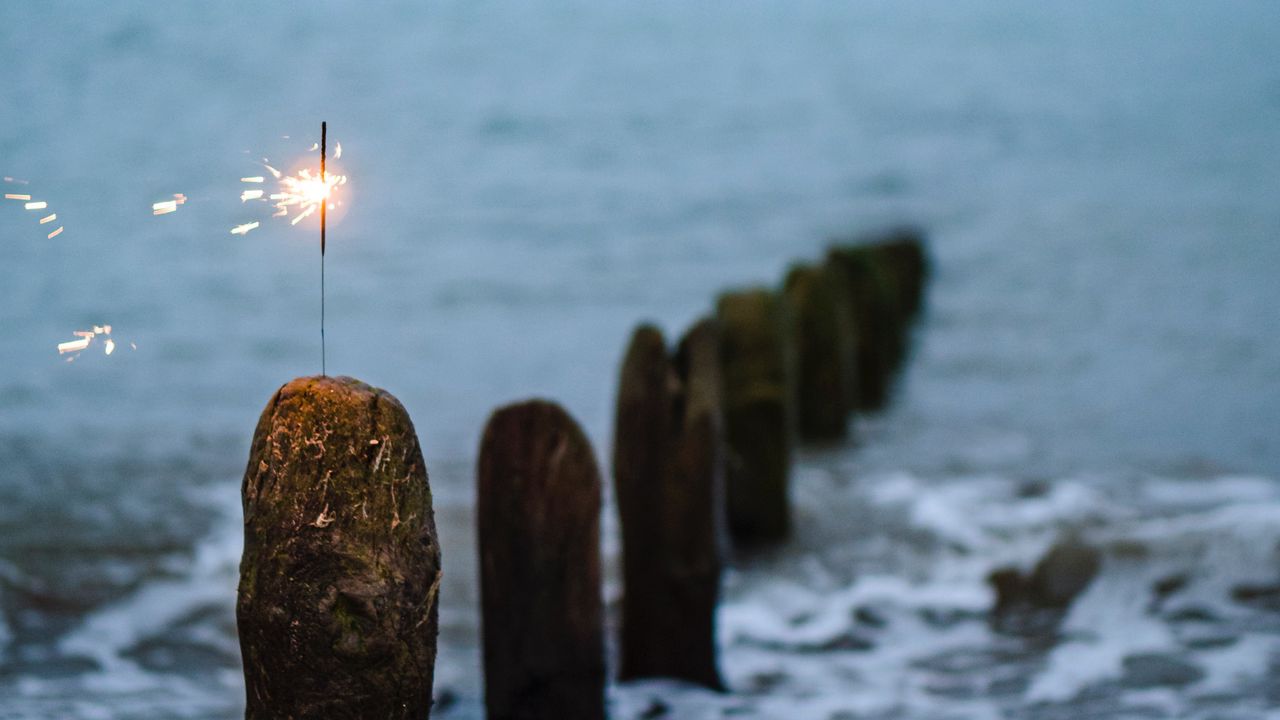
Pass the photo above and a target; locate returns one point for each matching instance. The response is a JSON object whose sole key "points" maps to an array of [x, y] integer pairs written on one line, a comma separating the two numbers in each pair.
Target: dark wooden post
{"points": [[757, 381], [341, 568], [904, 250], [538, 519], [668, 476], [821, 336], [877, 316]]}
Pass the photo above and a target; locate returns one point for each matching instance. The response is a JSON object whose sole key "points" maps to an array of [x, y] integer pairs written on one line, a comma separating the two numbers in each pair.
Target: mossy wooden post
{"points": [[756, 380], [538, 519], [341, 568], [875, 308], [850, 333], [668, 477], [820, 340], [905, 252]]}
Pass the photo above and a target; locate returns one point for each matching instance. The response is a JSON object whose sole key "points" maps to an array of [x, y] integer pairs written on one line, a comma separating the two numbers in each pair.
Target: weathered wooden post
{"points": [[757, 378], [538, 519], [821, 336], [905, 252], [668, 477], [341, 568], [878, 319]]}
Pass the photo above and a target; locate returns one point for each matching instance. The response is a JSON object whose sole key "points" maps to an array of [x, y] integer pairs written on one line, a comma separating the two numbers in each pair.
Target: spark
{"points": [[15, 181], [305, 192], [48, 218], [337, 153], [74, 345], [55, 233], [37, 205], [167, 206], [16, 196], [84, 339], [295, 197], [314, 147]]}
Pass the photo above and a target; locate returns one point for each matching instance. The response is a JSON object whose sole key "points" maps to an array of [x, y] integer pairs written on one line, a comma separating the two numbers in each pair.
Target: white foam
{"points": [[209, 580], [1226, 669]]}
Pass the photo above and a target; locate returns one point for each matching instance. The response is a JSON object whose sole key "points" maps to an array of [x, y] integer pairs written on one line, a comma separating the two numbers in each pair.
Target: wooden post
{"points": [[668, 477], [757, 381], [821, 336], [876, 312], [903, 248], [538, 519], [341, 569]]}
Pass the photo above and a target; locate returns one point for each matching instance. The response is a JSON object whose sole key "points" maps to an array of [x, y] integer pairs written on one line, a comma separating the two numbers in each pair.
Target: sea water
{"points": [[1099, 357]]}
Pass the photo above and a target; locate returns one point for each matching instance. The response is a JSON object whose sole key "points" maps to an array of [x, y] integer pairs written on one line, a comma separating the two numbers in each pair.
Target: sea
{"points": [[1098, 360]]}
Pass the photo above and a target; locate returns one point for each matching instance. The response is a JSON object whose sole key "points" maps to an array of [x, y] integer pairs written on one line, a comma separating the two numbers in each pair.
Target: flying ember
{"points": [[167, 206], [86, 338]]}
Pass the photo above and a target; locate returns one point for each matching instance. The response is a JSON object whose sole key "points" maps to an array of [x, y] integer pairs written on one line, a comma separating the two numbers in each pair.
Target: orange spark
{"points": [[85, 338], [74, 345]]}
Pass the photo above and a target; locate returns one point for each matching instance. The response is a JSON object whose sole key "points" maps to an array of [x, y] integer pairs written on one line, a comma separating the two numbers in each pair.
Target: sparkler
{"points": [[296, 198], [324, 204]]}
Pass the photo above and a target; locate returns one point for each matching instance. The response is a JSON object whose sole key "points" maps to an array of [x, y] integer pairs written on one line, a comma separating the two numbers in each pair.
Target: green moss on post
{"points": [[821, 336], [757, 383], [341, 568], [668, 476], [538, 519]]}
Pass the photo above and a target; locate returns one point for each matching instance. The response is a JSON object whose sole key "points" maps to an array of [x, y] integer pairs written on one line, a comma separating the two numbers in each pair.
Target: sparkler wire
{"points": [[324, 203]]}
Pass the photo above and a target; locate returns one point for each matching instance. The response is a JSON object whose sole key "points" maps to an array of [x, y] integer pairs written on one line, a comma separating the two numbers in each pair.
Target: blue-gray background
{"points": [[528, 181]]}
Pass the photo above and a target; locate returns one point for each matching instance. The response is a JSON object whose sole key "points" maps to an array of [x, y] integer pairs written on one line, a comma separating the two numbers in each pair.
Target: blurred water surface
{"points": [[1101, 353]]}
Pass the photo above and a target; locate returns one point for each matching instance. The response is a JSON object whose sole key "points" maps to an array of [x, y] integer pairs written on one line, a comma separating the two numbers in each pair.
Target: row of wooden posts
{"points": [[339, 582]]}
